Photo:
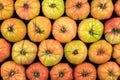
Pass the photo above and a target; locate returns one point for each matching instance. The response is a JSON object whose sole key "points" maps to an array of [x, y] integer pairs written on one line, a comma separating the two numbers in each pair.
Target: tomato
{"points": [[37, 71], [24, 52], [100, 52], [12, 71], [4, 49], [6, 9], [75, 51], [102, 9], [50, 52], [27, 9], [116, 52], [112, 30], [53, 9], [85, 71], [13, 29], [64, 29], [61, 71], [108, 71], [90, 30], [39, 29], [117, 7], [77, 9]]}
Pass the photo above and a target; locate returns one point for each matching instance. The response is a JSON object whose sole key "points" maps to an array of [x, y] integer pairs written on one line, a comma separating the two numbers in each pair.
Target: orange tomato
{"points": [[37, 71], [39, 29], [13, 29], [12, 71], [4, 49], [64, 29], [27, 9], [117, 7], [50, 52], [61, 71], [100, 52], [77, 9], [108, 71], [85, 71], [6, 9]]}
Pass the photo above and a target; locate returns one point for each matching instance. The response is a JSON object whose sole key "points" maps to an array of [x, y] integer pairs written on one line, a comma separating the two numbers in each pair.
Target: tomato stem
{"points": [[36, 74], [10, 28], [103, 6], [75, 52], [11, 73], [115, 30], [22, 52], [1, 6], [91, 32], [78, 5], [111, 74], [53, 5], [63, 29], [61, 74], [100, 51], [26, 6], [84, 74], [37, 29], [48, 52]]}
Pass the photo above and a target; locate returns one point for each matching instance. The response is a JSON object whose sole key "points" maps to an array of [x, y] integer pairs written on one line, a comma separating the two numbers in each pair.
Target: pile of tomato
{"points": [[59, 39]]}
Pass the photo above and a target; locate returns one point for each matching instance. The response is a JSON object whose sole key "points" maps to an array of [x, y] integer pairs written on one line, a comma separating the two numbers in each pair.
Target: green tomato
{"points": [[90, 30], [53, 9], [75, 52]]}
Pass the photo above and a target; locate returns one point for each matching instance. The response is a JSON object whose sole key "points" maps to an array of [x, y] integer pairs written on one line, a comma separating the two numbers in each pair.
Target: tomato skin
{"points": [[116, 7], [13, 29], [4, 49], [77, 9], [75, 51], [103, 11], [108, 71], [27, 9], [40, 70], [64, 29], [7, 9], [85, 68], [90, 30], [24, 52], [100, 52], [39, 28], [111, 30], [12, 71], [65, 69], [50, 52]]}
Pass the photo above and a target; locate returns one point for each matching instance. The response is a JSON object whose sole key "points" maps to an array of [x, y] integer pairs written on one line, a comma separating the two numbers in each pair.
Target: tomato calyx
{"points": [[36, 74], [48, 52], [111, 74], [84, 74], [75, 52], [10, 28], [100, 51], [12, 73], [61, 74], [103, 6], [1, 6], [26, 6], [23, 52], [53, 5], [78, 5], [63, 29], [115, 30], [38, 30]]}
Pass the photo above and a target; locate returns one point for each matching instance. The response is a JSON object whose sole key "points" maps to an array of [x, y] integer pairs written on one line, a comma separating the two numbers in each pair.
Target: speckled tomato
{"points": [[6, 9], [13, 29], [27, 9], [61, 71], [4, 49], [112, 30], [77, 9], [24, 52], [64, 29], [100, 52], [85, 71], [117, 7], [12, 71], [116, 52], [39, 29], [75, 51], [50, 52], [37, 71], [108, 71], [102, 9]]}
